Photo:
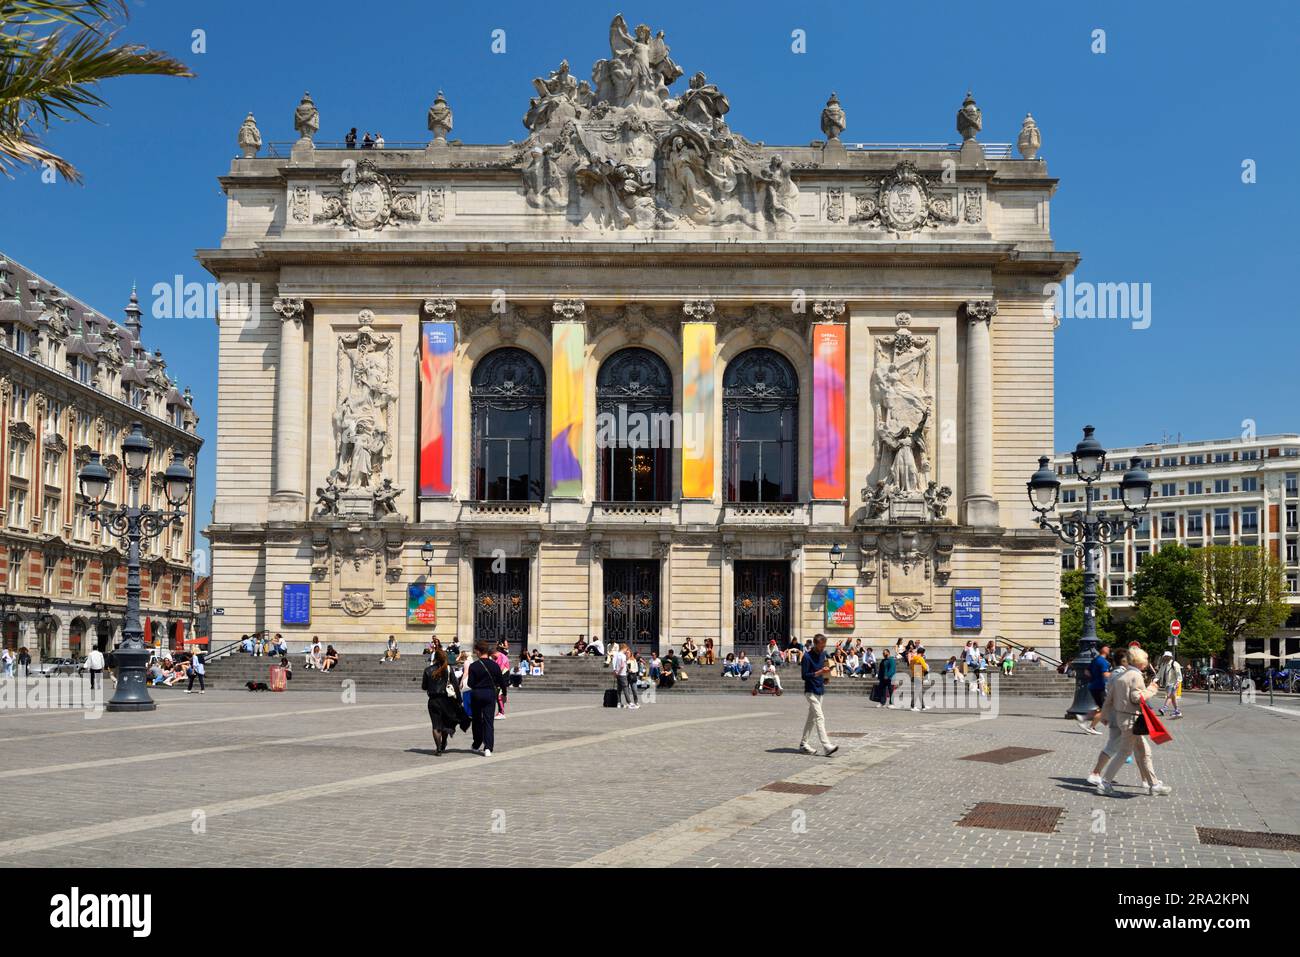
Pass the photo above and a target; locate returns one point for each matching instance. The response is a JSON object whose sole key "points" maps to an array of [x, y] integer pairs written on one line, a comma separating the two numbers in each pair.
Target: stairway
{"points": [[579, 675]]}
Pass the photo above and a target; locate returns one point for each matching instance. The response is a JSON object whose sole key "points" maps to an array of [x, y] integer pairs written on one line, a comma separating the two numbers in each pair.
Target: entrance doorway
{"points": [[632, 604], [501, 602], [762, 601]]}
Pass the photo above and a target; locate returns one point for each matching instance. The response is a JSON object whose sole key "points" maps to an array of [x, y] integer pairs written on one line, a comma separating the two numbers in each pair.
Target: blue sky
{"points": [[1148, 140]]}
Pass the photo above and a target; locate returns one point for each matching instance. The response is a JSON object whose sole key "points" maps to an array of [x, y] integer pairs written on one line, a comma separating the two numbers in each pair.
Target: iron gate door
{"points": [[632, 603], [762, 598], [501, 603]]}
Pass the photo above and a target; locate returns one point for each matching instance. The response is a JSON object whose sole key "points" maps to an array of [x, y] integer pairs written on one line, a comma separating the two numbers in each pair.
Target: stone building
{"points": [[636, 375], [1235, 491], [72, 382]]}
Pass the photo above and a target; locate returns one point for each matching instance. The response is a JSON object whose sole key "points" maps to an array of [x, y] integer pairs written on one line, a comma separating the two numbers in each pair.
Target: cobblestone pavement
{"points": [[231, 778]]}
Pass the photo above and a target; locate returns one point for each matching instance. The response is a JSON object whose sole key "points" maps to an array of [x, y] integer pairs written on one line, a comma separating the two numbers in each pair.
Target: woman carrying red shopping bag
{"points": [[1126, 706]]}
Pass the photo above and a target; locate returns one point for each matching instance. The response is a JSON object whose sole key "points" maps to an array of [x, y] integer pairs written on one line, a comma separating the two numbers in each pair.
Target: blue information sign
{"points": [[296, 604], [968, 608]]}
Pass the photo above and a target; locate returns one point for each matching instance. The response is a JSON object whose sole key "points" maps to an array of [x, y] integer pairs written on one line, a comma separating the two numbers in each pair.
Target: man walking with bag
{"points": [[814, 669]]}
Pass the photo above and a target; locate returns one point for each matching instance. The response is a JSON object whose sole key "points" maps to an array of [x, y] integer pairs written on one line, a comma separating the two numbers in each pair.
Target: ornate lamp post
{"points": [[133, 522], [1087, 531]]}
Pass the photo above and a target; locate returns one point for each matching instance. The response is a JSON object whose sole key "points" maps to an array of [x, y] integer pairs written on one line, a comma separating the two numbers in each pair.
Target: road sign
{"points": [[1175, 628]]}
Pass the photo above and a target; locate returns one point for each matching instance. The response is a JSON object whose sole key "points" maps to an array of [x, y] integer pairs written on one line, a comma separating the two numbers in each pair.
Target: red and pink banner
{"points": [[437, 358], [828, 452]]}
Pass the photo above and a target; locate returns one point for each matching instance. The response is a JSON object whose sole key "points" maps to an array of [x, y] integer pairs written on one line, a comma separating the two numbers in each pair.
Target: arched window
{"points": [[760, 409], [508, 408], [634, 427]]}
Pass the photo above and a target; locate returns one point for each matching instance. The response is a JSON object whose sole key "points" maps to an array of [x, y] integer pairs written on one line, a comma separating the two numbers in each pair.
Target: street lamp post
{"points": [[1087, 531], [133, 522]]}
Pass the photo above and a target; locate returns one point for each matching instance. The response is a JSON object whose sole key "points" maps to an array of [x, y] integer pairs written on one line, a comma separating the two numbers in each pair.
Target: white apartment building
{"points": [[1240, 491]]}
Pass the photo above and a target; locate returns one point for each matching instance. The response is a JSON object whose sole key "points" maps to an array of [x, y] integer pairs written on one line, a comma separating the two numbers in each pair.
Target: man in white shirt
{"points": [[95, 665], [618, 664]]}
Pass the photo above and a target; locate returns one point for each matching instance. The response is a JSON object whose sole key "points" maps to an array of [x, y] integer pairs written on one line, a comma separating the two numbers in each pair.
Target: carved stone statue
{"points": [[639, 71], [386, 498], [834, 121], [781, 195], [902, 401], [557, 100], [250, 137], [1030, 138], [936, 498], [703, 103], [969, 119], [306, 119], [440, 119], [360, 419], [327, 499]]}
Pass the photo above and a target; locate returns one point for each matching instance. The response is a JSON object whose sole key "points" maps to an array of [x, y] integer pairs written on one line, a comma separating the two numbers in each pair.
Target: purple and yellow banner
{"points": [[828, 448], [568, 348], [699, 346], [437, 357]]}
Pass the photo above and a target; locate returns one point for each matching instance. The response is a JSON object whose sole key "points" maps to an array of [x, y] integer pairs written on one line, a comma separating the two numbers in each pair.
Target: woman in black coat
{"points": [[445, 708], [486, 683]]}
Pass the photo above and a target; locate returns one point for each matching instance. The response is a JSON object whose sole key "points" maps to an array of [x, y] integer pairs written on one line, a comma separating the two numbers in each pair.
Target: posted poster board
{"points": [[968, 608], [422, 603], [840, 611], [295, 603]]}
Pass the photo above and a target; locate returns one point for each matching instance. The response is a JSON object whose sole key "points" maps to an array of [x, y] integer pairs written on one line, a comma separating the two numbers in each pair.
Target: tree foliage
{"points": [[1169, 585], [1245, 590], [53, 56], [1072, 615]]}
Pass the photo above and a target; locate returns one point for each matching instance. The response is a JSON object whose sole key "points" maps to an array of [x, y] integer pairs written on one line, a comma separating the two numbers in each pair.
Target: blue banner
{"points": [[968, 608], [295, 604]]}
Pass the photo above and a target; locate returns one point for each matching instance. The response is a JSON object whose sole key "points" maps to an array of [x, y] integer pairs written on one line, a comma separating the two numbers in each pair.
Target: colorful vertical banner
{"points": [[568, 348], [437, 358], [699, 347], [828, 451], [422, 603], [840, 607]]}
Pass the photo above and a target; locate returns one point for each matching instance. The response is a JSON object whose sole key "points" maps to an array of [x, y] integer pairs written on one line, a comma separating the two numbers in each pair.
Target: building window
{"points": [[1222, 521], [176, 589], [1117, 589], [1140, 554], [19, 399], [81, 522], [1168, 525], [50, 575], [1222, 486], [83, 371], [508, 407], [1168, 461], [760, 403], [17, 507], [1292, 584], [1069, 496], [50, 515], [1195, 524], [17, 569], [1222, 457], [18, 457], [1117, 559], [1168, 489], [1291, 523], [634, 427], [1249, 520], [1250, 454], [1195, 488], [1292, 553], [1250, 483], [1292, 483], [1196, 460], [1068, 561], [79, 578], [52, 460]]}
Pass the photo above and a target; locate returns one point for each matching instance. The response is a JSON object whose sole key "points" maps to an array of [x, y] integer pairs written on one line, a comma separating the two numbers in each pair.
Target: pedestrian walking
{"points": [[618, 664], [1170, 677], [883, 694], [1098, 679], [7, 662], [814, 668], [197, 670], [25, 662], [919, 668], [1124, 702], [1118, 666], [95, 665], [486, 682], [446, 712]]}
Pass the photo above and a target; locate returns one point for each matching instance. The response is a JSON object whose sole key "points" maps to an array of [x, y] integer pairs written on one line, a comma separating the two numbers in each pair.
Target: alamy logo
{"points": [[76, 910]]}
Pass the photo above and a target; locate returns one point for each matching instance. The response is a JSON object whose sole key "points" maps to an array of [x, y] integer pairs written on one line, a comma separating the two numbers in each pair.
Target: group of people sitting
{"points": [[263, 643], [166, 672], [326, 660], [975, 660]]}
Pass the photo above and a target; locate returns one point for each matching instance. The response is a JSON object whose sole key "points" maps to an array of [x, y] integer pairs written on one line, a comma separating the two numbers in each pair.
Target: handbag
{"points": [[1140, 722], [1154, 726]]}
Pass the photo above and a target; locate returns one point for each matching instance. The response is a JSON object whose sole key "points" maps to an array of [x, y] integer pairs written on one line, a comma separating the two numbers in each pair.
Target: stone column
{"points": [[288, 495], [979, 507]]}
